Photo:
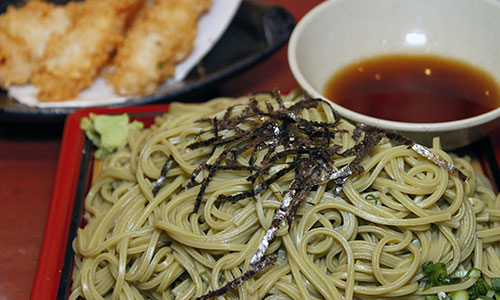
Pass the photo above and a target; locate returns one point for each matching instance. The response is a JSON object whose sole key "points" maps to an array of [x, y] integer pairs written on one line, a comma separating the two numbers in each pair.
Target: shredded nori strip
{"points": [[163, 174], [304, 190], [308, 151], [212, 169], [271, 259], [237, 168], [195, 174], [277, 95], [438, 160], [275, 225], [257, 189]]}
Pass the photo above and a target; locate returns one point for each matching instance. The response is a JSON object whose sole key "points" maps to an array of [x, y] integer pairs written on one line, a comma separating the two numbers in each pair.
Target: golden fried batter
{"points": [[24, 33], [15, 62], [72, 60], [162, 37]]}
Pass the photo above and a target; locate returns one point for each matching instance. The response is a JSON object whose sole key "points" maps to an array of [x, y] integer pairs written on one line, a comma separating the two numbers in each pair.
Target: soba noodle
{"points": [[368, 242]]}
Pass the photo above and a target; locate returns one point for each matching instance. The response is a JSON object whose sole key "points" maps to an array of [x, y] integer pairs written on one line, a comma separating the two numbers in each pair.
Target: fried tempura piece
{"points": [[163, 37], [15, 62], [24, 35], [73, 60]]}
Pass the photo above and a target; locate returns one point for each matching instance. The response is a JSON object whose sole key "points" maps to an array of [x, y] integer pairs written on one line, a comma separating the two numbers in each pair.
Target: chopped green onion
{"points": [[490, 294], [480, 288], [460, 295], [436, 273], [372, 198], [495, 284], [474, 273], [428, 266]]}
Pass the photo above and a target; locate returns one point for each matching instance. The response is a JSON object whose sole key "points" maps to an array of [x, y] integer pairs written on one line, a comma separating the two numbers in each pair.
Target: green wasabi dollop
{"points": [[108, 132]]}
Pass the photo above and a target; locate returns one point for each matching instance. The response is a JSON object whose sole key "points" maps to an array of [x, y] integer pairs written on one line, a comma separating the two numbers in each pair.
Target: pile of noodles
{"points": [[368, 242]]}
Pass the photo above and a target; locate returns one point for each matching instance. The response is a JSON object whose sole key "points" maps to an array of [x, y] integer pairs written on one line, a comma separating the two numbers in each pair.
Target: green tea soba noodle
{"points": [[274, 197]]}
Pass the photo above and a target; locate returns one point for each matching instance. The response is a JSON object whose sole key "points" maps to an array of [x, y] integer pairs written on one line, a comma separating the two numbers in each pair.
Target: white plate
{"points": [[210, 28]]}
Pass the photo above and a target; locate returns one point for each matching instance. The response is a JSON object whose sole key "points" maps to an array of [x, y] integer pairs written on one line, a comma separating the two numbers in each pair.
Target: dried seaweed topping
{"points": [[271, 259], [394, 136], [372, 137], [237, 168], [163, 174], [212, 169], [425, 152], [358, 131], [307, 149], [277, 95], [269, 106], [438, 160], [339, 177], [303, 191], [258, 188], [266, 130], [227, 114], [275, 225]]}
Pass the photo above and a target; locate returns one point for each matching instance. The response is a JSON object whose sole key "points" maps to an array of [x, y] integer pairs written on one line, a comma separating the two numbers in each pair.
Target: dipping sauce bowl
{"points": [[339, 33]]}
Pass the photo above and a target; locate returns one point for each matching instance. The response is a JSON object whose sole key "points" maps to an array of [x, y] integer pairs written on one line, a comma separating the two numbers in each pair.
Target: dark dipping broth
{"points": [[414, 88]]}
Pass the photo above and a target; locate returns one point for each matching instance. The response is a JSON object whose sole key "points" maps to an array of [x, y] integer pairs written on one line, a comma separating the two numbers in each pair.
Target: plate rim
{"points": [[273, 40]]}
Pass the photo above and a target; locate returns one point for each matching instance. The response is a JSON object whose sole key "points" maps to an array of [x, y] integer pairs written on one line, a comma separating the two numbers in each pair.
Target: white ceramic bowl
{"points": [[337, 33]]}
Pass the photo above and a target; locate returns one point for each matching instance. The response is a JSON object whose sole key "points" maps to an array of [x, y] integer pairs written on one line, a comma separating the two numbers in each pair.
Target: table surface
{"points": [[28, 160]]}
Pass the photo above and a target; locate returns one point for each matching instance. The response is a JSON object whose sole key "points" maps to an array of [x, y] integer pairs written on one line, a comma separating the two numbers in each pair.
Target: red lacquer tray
{"points": [[74, 170]]}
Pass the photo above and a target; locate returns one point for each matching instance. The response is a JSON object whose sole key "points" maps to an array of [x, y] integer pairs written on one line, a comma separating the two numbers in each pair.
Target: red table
{"points": [[28, 165]]}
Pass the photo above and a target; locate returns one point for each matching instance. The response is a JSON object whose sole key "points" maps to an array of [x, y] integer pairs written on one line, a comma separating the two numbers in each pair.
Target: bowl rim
{"points": [[361, 118]]}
